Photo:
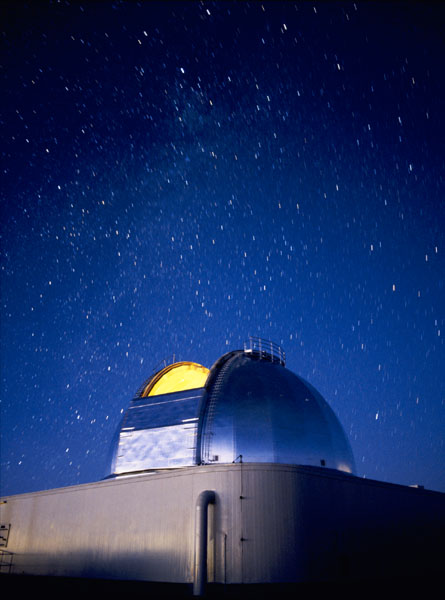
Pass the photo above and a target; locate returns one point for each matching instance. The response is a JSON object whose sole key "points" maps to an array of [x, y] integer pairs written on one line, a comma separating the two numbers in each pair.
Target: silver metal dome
{"points": [[248, 407], [256, 410]]}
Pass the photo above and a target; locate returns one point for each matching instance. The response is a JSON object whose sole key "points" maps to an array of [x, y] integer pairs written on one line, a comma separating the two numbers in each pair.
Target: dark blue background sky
{"points": [[178, 176]]}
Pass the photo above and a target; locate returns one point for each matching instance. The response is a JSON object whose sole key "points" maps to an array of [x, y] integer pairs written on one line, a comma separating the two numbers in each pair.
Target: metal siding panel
{"points": [[158, 432], [270, 519], [139, 527], [156, 448], [129, 530], [158, 411]]}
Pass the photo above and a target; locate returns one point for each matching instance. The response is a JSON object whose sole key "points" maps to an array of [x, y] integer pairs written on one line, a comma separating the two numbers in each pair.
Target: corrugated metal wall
{"points": [[270, 523], [141, 527]]}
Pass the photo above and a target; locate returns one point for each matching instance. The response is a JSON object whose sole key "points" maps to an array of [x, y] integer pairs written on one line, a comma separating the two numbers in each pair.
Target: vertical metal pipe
{"points": [[201, 516]]}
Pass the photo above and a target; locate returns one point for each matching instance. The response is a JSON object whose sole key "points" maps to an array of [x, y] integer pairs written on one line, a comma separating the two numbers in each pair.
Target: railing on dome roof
{"points": [[165, 362], [265, 350]]}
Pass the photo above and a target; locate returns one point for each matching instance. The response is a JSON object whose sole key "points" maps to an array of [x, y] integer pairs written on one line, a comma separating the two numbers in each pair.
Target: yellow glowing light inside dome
{"points": [[177, 378]]}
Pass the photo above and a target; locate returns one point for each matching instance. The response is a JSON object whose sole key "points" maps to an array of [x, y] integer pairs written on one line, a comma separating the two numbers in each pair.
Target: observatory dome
{"points": [[247, 408]]}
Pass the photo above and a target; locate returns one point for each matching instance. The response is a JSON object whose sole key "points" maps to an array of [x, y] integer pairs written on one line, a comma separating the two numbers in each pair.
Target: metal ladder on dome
{"points": [[214, 396]]}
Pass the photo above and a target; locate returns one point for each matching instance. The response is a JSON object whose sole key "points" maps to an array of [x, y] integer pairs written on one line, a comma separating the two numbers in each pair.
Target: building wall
{"points": [[270, 523]]}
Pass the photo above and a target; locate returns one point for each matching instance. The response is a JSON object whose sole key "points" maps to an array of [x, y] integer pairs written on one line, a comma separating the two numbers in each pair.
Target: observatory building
{"points": [[234, 475], [247, 408]]}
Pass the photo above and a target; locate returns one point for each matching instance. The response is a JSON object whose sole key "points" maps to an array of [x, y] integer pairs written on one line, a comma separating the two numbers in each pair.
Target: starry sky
{"points": [[179, 176]]}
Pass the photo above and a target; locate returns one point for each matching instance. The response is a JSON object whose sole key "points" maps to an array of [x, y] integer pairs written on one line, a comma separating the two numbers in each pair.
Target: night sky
{"points": [[179, 176]]}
